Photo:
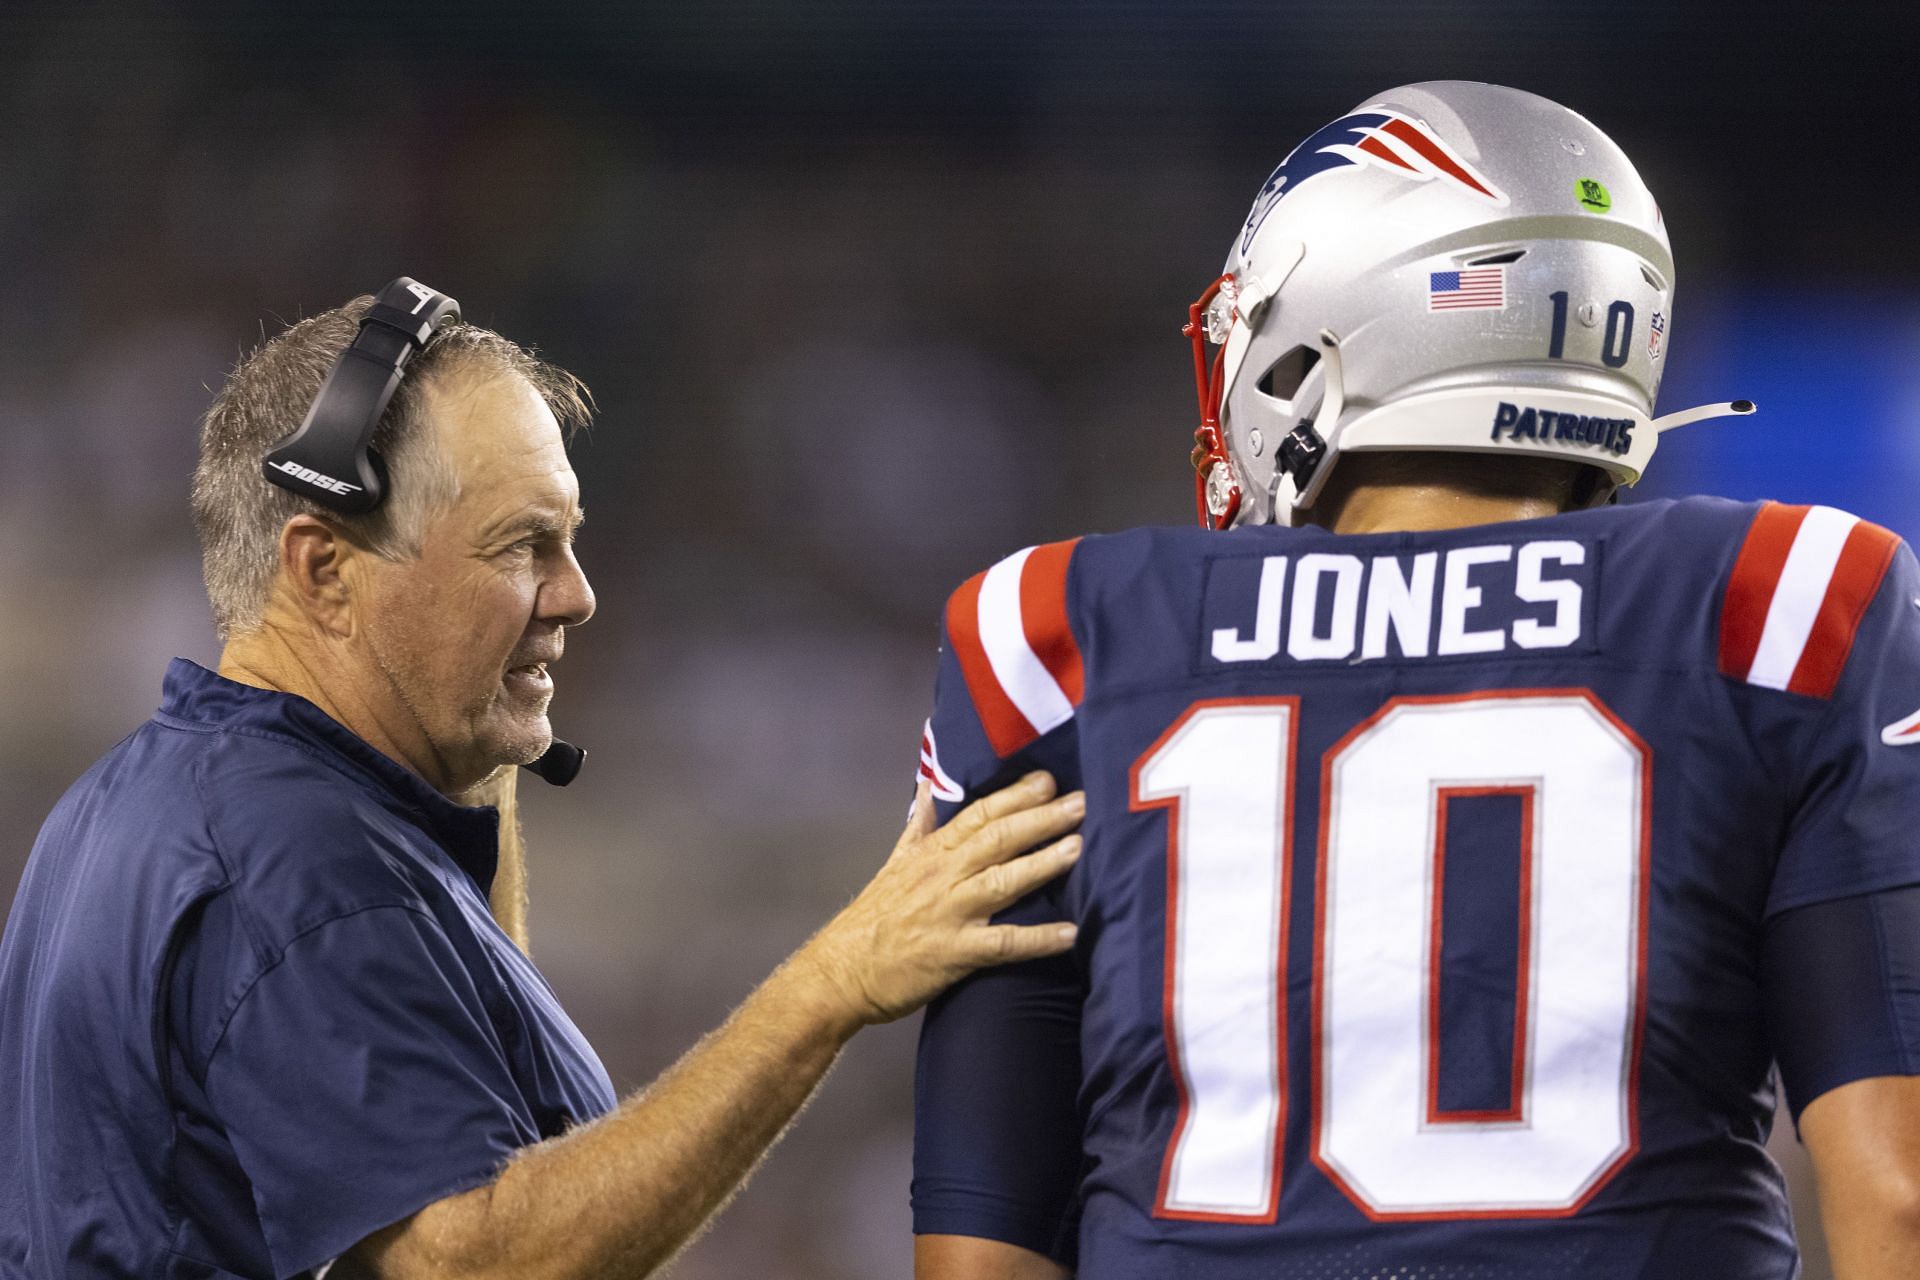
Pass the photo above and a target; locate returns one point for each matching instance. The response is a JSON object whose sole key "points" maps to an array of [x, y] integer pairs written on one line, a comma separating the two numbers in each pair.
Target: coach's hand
{"points": [[922, 923]]}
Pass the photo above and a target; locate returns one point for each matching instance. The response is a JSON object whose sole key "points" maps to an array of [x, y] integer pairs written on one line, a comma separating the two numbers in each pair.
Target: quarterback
{"points": [[1463, 851]]}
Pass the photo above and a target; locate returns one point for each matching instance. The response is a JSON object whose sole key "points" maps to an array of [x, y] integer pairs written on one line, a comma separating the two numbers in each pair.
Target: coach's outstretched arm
{"points": [[619, 1197]]}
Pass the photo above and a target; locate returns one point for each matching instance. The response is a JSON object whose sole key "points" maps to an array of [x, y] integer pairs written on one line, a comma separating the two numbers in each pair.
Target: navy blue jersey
{"points": [[1428, 888]]}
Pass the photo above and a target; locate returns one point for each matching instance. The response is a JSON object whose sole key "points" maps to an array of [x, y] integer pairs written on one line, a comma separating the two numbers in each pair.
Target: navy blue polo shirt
{"points": [[254, 1007]]}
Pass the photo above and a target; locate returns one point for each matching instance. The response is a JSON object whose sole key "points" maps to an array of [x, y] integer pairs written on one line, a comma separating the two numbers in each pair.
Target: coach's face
{"points": [[464, 634]]}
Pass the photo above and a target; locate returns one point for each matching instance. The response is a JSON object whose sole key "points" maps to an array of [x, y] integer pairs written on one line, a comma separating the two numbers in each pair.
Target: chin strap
{"points": [[1334, 401], [1303, 454], [1726, 409]]}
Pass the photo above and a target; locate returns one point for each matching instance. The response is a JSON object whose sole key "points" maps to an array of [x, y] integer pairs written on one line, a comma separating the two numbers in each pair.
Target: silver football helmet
{"points": [[1450, 266]]}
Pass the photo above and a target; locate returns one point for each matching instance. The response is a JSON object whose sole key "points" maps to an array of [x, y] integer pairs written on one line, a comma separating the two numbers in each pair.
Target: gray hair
{"points": [[238, 515]]}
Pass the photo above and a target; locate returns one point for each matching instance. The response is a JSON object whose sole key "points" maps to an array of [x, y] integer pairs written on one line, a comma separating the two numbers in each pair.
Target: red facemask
{"points": [[1209, 445]]}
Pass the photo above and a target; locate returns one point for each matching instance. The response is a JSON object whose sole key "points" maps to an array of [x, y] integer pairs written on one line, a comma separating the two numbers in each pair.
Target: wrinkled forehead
{"points": [[503, 445]]}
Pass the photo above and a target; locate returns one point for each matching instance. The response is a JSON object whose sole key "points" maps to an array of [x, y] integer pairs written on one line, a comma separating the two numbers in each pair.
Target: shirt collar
{"points": [[195, 695]]}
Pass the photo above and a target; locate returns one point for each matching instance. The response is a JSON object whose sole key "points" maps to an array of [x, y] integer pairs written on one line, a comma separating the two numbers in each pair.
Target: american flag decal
{"points": [[1468, 289]]}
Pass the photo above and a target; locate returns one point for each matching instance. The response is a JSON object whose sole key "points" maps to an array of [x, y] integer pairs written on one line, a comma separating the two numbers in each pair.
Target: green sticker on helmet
{"points": [[1592, 195]]}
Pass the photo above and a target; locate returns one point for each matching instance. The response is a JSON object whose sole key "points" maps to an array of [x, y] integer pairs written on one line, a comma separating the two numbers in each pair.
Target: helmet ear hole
{"points": [[1284, 376]]}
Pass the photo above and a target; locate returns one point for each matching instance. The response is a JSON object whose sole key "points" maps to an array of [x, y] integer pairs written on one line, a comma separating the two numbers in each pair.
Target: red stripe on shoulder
{"points": [[1856, 580], [1007, 730], [1756, 572], [1043, 616]]}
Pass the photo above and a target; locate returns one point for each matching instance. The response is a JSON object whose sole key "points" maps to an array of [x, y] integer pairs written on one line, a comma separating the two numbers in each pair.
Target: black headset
{"points": [[330, 459]]}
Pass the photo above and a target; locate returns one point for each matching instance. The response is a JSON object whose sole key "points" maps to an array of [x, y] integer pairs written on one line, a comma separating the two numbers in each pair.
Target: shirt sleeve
{"points": [[361, 1079], [1842, 984], [996, 1121], [1855, 824], [1824, 611], [1010, 681]]}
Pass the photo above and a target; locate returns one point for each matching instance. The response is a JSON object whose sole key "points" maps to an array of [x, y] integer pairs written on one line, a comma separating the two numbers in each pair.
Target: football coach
{"points": [[265, 1007]]}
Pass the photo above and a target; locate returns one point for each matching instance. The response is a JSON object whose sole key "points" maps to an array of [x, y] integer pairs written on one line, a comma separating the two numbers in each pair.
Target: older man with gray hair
{"points": [[265, 1005]]}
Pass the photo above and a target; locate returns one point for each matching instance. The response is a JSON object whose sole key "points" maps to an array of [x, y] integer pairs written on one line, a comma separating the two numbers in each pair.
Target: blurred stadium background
{"points": [[870, 294]]}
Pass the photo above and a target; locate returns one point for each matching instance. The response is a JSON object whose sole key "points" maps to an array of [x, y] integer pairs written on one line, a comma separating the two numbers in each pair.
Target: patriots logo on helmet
{"points": [[1380, 139]]}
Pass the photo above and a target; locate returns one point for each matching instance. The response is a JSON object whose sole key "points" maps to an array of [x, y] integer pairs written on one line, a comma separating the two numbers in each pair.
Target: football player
{"points": [[1462, 850]]}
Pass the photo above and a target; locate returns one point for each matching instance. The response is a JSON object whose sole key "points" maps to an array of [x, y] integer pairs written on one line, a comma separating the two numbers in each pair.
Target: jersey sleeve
{"points": [[360, 1079], [1823, 611], [996, 1121], [1821, 607], [1842, 984], [1010, 681]]}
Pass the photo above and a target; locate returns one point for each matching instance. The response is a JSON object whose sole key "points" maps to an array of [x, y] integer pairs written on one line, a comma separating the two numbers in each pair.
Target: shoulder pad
{"points": [[1799, 587], [1009, 630]]}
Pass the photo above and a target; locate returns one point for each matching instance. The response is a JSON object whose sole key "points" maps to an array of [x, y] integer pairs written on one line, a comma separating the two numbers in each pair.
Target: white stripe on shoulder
{"points": [[1797, 596], [944, 787], [1028, 683]]}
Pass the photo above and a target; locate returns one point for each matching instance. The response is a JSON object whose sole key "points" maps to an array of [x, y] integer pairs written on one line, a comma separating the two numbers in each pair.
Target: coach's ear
{"points": [[312, 578]]}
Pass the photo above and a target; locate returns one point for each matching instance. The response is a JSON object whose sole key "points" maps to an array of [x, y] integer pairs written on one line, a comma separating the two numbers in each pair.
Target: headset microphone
{"points": [[560, 764], [331, 460]]}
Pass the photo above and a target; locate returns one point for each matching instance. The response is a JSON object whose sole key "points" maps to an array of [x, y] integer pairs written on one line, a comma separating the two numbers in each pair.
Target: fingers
{"points": [[920, 818], [1036, 788], [1005, 883], [1004, 837], [1008, 943]]}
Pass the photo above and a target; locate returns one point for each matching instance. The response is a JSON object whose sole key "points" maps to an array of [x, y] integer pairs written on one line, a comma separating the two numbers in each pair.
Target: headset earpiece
{"points": [[330, 459]]}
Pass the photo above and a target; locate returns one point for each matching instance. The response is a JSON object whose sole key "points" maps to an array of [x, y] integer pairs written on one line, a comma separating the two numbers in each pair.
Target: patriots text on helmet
{"points": [[1523, 422]]}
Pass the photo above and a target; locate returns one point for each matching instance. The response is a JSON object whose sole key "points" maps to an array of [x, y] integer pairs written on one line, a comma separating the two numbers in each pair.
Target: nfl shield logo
{"points": [[1656, 333]]}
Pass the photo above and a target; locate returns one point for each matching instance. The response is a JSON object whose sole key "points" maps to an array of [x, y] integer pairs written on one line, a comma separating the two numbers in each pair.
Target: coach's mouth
{"points": [[531, 676]]}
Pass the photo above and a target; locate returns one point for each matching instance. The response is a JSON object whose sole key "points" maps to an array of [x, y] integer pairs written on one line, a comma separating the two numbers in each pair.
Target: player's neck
{"points": [[1388, 507]]}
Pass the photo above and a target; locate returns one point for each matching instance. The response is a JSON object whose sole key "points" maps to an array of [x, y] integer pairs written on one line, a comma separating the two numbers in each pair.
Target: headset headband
{"points": [[329, 459]]}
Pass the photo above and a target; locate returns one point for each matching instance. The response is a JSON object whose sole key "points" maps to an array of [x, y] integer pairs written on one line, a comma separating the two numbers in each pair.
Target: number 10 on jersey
{"points": [[1224, 774]]}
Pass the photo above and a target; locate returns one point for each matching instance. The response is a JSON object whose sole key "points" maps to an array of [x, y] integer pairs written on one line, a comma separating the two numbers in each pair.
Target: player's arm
{"points": [[1840, 957], [997, 1128], [1843, 987], [937, 1257], [1864, 1138], [619, 1197]]}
